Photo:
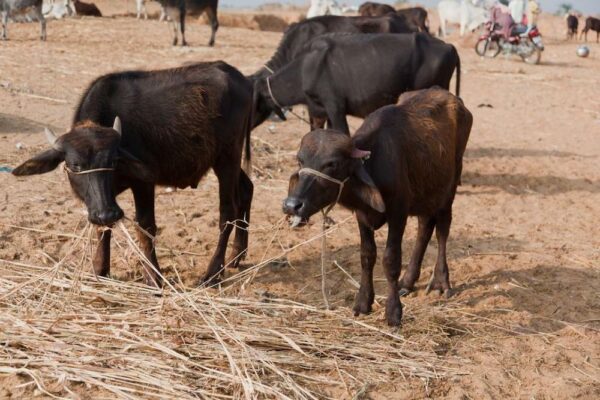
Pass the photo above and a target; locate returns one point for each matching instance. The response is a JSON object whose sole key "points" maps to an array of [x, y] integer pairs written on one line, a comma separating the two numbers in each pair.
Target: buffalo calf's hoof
{"points": [[362, 306], [210, 281], [154, 282], [407, 284], [440, 285], [393, 312], [237, 256]]}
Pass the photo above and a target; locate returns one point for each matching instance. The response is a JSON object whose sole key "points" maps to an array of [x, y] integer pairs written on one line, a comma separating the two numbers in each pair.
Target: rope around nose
{"points": [[310, 171], [87, 171]]}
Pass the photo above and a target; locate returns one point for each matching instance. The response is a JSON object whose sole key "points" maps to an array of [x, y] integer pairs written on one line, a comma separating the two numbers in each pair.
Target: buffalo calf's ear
{"points": [[40, 164], [293, 182], [367, 191], [131, 167]]}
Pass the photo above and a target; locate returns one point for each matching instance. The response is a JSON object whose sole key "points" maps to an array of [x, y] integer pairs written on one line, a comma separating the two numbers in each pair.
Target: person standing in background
{"points": [[533, 10], [517, 10]]}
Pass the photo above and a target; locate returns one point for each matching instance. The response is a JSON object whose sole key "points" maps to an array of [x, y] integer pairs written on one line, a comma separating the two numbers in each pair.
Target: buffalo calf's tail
{"points": [[457, 75], [247, 162]]}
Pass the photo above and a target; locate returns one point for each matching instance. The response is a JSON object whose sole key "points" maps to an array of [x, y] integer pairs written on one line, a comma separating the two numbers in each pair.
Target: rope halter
{"points": [[268, 69], [87, 171], [271, 93], [277, 103], [310, 171]]}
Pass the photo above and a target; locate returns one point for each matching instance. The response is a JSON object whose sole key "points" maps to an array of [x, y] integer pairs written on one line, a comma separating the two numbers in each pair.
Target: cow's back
{"points": [[350, 71]]}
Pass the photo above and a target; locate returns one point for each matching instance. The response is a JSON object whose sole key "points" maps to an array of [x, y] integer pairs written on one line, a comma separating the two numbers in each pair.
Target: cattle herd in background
{"points": [[405, 159], [469, 14]]}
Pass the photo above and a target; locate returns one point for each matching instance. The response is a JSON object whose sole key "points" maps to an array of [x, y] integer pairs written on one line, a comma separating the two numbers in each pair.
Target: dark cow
{"points": [[87, 9], [12, 8], [344, 74], [372, 9], [297, 35], [572, 26], [176, 125], [417, 16], [176, 10], [405, 160], [593, 24]]}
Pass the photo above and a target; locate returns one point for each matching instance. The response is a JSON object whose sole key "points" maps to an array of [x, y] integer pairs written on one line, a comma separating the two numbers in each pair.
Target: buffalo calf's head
{"points": [[93, 158], [263, 103], [330, 166]]}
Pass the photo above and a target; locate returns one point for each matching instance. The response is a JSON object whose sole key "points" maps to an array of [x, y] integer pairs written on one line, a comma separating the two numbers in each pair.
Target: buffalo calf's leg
{"points": [[143, 195], [368, 255], [440, 279], [392, 263], [4, 25], [101, 260], [182, 26], [214, 24], [337, 118], [228, 175], [317, 123], [413, 272], [240, 242], [40, 16], [173, 14]]}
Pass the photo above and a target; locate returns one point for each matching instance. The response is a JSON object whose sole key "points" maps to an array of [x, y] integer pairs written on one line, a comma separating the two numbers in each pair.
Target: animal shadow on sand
{"points": [[15, 124], [499, 152], [304, 271], [521, 184], [552, 295]]}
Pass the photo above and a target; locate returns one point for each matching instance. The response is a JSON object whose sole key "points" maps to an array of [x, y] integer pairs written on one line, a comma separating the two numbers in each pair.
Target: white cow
{"points": [[323, 7], [464, 13], [140, 6], [58, 9]]}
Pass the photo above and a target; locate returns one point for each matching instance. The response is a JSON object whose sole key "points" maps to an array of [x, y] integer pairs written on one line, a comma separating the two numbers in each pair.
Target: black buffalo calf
{"points": [[169, 128]]}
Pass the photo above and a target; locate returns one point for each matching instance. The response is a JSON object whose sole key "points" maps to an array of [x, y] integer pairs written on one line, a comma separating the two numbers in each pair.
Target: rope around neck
{"points": [[341, 184], [271, 93], [268, 68], [279, 105], [87, 171]]}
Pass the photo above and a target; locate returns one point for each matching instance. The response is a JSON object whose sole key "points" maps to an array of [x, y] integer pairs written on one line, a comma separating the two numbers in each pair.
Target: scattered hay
{"points": [[69, 332]]}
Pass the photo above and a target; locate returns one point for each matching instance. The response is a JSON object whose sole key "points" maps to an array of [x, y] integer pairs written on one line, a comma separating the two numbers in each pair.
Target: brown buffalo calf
{"points": [[405, 159], [593, 24], [372, 9], [87, 9]]}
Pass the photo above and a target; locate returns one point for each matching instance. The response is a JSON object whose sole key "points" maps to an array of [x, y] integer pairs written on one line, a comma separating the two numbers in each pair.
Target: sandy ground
{"points": [[524, 250]]}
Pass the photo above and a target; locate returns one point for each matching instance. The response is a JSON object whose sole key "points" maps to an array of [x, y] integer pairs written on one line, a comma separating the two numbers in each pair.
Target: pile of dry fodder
{"points": [[67, 333]]}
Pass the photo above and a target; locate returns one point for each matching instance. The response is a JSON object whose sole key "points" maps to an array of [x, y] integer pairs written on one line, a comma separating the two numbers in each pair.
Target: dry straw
{"points": [[71, 334]]}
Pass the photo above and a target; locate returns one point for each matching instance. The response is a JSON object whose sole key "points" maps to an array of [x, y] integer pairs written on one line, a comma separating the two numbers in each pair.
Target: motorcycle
{"points": [[527, 45]]}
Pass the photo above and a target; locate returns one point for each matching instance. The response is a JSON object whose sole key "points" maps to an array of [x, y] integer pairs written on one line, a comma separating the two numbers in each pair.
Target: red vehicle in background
{"points": [[527, 45]]}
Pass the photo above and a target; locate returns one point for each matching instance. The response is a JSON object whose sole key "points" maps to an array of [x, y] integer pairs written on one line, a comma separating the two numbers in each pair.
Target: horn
{"points": [[117, 125], [51, 137]]}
